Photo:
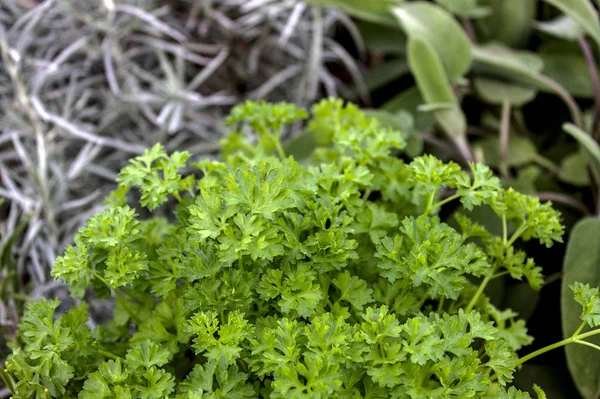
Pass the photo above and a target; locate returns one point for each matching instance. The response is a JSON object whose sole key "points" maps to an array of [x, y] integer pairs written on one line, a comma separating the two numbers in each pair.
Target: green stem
{"points": [[177, 196], [504, 231], [441, 304], [444, 201], [108, 354], [278, 147], [367, 194], [579, 330], [544, 350], [585, 343], [572, 340], [8, 381], [423, 299], [430, 202], [504, 273], [480, 290], [99, 277], [516, 235]]}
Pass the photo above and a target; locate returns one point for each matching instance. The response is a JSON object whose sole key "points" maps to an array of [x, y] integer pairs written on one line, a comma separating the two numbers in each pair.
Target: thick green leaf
{"points": [[520, 67], [501, 61], [564, 62], [377, 11], [520, 151], [587, 142], [385, 73], [434, 25], [387, 39], [409, 100], [510, 21], [435, 88], [497, 92], [582, 263], [563, 27], [465, 8], [573, 170], [582, 12]]}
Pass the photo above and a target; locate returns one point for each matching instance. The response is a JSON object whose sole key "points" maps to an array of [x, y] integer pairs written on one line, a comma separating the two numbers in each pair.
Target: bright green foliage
{"points": [[156, 175], [274, 279], [535, 220], [589, 299], [108, 251]]}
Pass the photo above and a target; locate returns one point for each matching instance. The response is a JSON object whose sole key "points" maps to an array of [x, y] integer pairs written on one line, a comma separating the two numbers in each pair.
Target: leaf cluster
{"points": [[330, 278]]}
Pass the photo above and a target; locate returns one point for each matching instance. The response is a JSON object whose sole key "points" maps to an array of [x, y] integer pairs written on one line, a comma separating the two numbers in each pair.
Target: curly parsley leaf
{"points": [[589, 299]]}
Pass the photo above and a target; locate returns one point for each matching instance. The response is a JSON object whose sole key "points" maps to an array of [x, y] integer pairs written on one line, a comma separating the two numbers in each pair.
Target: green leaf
{"points": [[373, 11], [520, 151], [146, 354], [435, 88], [589, 299], [403, 122], [582, 12], [563, 27], [581, 264], [587, 142], [573, 169], [503, 62], [564, 62], [156, 175], [509, 23], [465, 8], [353, 290], [520, 67], [385, 73], [387, 39], [219, 342], [409, 101], [498, 92], [433, 25]]}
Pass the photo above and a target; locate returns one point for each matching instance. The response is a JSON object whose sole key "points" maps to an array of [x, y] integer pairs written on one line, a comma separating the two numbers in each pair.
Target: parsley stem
{"points": [[504, 273], [430, 202], [8, 380], [504, 231], [574, 339], [108, 354], [586, 343], [516, 234], [480, 290], [444, 201], [177, 196], [279, 149], [441, 304], [544, 350], [367, 194], [580, 329]]}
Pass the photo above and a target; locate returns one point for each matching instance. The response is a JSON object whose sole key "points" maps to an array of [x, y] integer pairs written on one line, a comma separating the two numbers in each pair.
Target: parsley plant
{"points": [[270, 278]]}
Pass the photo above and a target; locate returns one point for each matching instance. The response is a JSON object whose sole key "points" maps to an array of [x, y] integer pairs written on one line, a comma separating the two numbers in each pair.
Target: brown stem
{"points": [[469, 30], [593, 69], [565, 200]]}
